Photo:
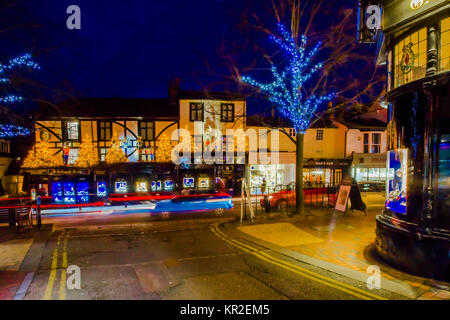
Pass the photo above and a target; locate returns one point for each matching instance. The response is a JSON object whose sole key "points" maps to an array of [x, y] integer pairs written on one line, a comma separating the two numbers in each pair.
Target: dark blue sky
{"points": [[125, 48]]}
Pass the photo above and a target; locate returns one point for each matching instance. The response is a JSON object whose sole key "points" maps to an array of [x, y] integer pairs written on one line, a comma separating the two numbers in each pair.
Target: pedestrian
{"points": [[263, 186]]}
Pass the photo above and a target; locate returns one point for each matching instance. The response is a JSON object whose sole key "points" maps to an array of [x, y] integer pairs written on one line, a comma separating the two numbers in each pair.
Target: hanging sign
{"points": [[369, 21]]}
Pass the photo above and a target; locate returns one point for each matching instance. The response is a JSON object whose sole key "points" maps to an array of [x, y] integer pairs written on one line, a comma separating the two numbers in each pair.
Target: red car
{"points": [[286, 197]]}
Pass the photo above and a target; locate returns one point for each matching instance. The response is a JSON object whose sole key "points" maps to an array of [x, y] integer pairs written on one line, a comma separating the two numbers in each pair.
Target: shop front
{"points": [[65, 186], [271, 176], [413, 231], [369, 167], [324, 172]]}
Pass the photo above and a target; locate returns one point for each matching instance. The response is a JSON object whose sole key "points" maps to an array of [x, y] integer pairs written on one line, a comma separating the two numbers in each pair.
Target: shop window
{"points": [[101, 189], [72, 130], [121, 187], [319, 134], [366, 143], [376, 142], [196, 111], [445, 44], [410, 58], [104, 130], [147, 130]]}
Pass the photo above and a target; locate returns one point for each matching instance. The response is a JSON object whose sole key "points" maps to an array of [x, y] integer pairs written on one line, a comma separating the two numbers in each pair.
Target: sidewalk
{"points": [[346, 241], [19, 255]]}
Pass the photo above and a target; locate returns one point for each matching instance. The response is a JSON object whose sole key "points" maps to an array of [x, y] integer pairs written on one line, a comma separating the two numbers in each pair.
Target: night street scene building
{"points": [[413, 232], [248, 150]]}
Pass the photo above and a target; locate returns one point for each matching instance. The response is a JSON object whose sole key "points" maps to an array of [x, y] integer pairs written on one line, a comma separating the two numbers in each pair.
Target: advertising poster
{"points": [[341, 203], [396, 187]]}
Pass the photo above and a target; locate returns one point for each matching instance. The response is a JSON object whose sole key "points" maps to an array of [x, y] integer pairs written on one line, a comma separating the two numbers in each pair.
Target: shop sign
{"points": [[227, 171], [369, 21], [396, 12]]}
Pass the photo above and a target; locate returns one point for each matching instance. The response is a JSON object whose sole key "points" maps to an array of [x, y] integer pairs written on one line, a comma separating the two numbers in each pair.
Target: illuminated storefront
{"points": [[413, 231], [369, 167], [316, 173]]}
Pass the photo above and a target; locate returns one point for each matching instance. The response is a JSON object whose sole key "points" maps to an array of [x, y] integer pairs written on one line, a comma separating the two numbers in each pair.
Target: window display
{"points": [[101, 189], [82, 192], [57, 190], [69, 192], [396, 180], [188, 182], [121, 186], [203, 183], [168, 185], [141, 186]]}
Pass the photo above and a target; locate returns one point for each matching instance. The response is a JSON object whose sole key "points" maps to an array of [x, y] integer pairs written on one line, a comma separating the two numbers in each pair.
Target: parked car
{"points": [[371, 186]]}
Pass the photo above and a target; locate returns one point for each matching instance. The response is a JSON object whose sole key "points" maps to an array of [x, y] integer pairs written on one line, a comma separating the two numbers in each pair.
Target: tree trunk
{"points": [[299, 201]]}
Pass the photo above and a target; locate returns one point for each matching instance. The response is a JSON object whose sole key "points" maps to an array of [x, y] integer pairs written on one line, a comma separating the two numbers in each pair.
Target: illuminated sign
{"points": [[369, 21], [168, 185], [121, 186], [158, 185], [101, 189], [416, 4], [141, 186], [188, 182], [203, 183], [153, 185]]}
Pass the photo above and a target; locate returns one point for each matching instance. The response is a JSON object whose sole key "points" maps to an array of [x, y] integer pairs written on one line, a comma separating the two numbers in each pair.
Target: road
{"points": [[185, 256]]}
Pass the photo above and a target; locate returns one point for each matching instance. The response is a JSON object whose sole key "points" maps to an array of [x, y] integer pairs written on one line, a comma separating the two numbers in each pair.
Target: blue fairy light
{"points": [[285, 90], [11, 131], [23, 61]]}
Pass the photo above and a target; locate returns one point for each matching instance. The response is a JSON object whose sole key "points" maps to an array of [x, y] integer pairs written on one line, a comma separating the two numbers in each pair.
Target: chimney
{"points": [[174, 90]]}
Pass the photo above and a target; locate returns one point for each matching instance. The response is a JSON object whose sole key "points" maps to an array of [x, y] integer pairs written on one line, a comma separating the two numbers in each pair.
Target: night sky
{"points": [[125, 48]]}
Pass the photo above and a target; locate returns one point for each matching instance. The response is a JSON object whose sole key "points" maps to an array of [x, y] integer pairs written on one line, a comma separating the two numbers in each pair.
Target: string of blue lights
{"points": [[23, 61], [286, 89]]}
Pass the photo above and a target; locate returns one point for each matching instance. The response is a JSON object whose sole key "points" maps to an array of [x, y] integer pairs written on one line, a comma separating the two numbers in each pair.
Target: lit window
{"points": [[72, 130], [227, 112], [410, 58], [366, 143], [376, 143], [196, 111], [147, 130], [445, 44], [104, 128], [319, 134]]}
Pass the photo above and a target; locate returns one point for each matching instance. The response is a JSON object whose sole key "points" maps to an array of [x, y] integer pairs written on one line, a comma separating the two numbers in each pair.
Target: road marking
{"points": [[51, 279], [62, 284], [296, 269]]}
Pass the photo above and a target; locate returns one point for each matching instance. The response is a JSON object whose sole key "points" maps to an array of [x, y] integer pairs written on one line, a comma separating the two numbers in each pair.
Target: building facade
{"points": [[145, 130], [413, 232]]}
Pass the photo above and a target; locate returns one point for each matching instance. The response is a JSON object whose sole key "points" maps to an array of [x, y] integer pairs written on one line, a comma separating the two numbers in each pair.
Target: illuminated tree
{"points": [[87, 155], [115, 153], [288, 92], [40, 156], [163, 149]]}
